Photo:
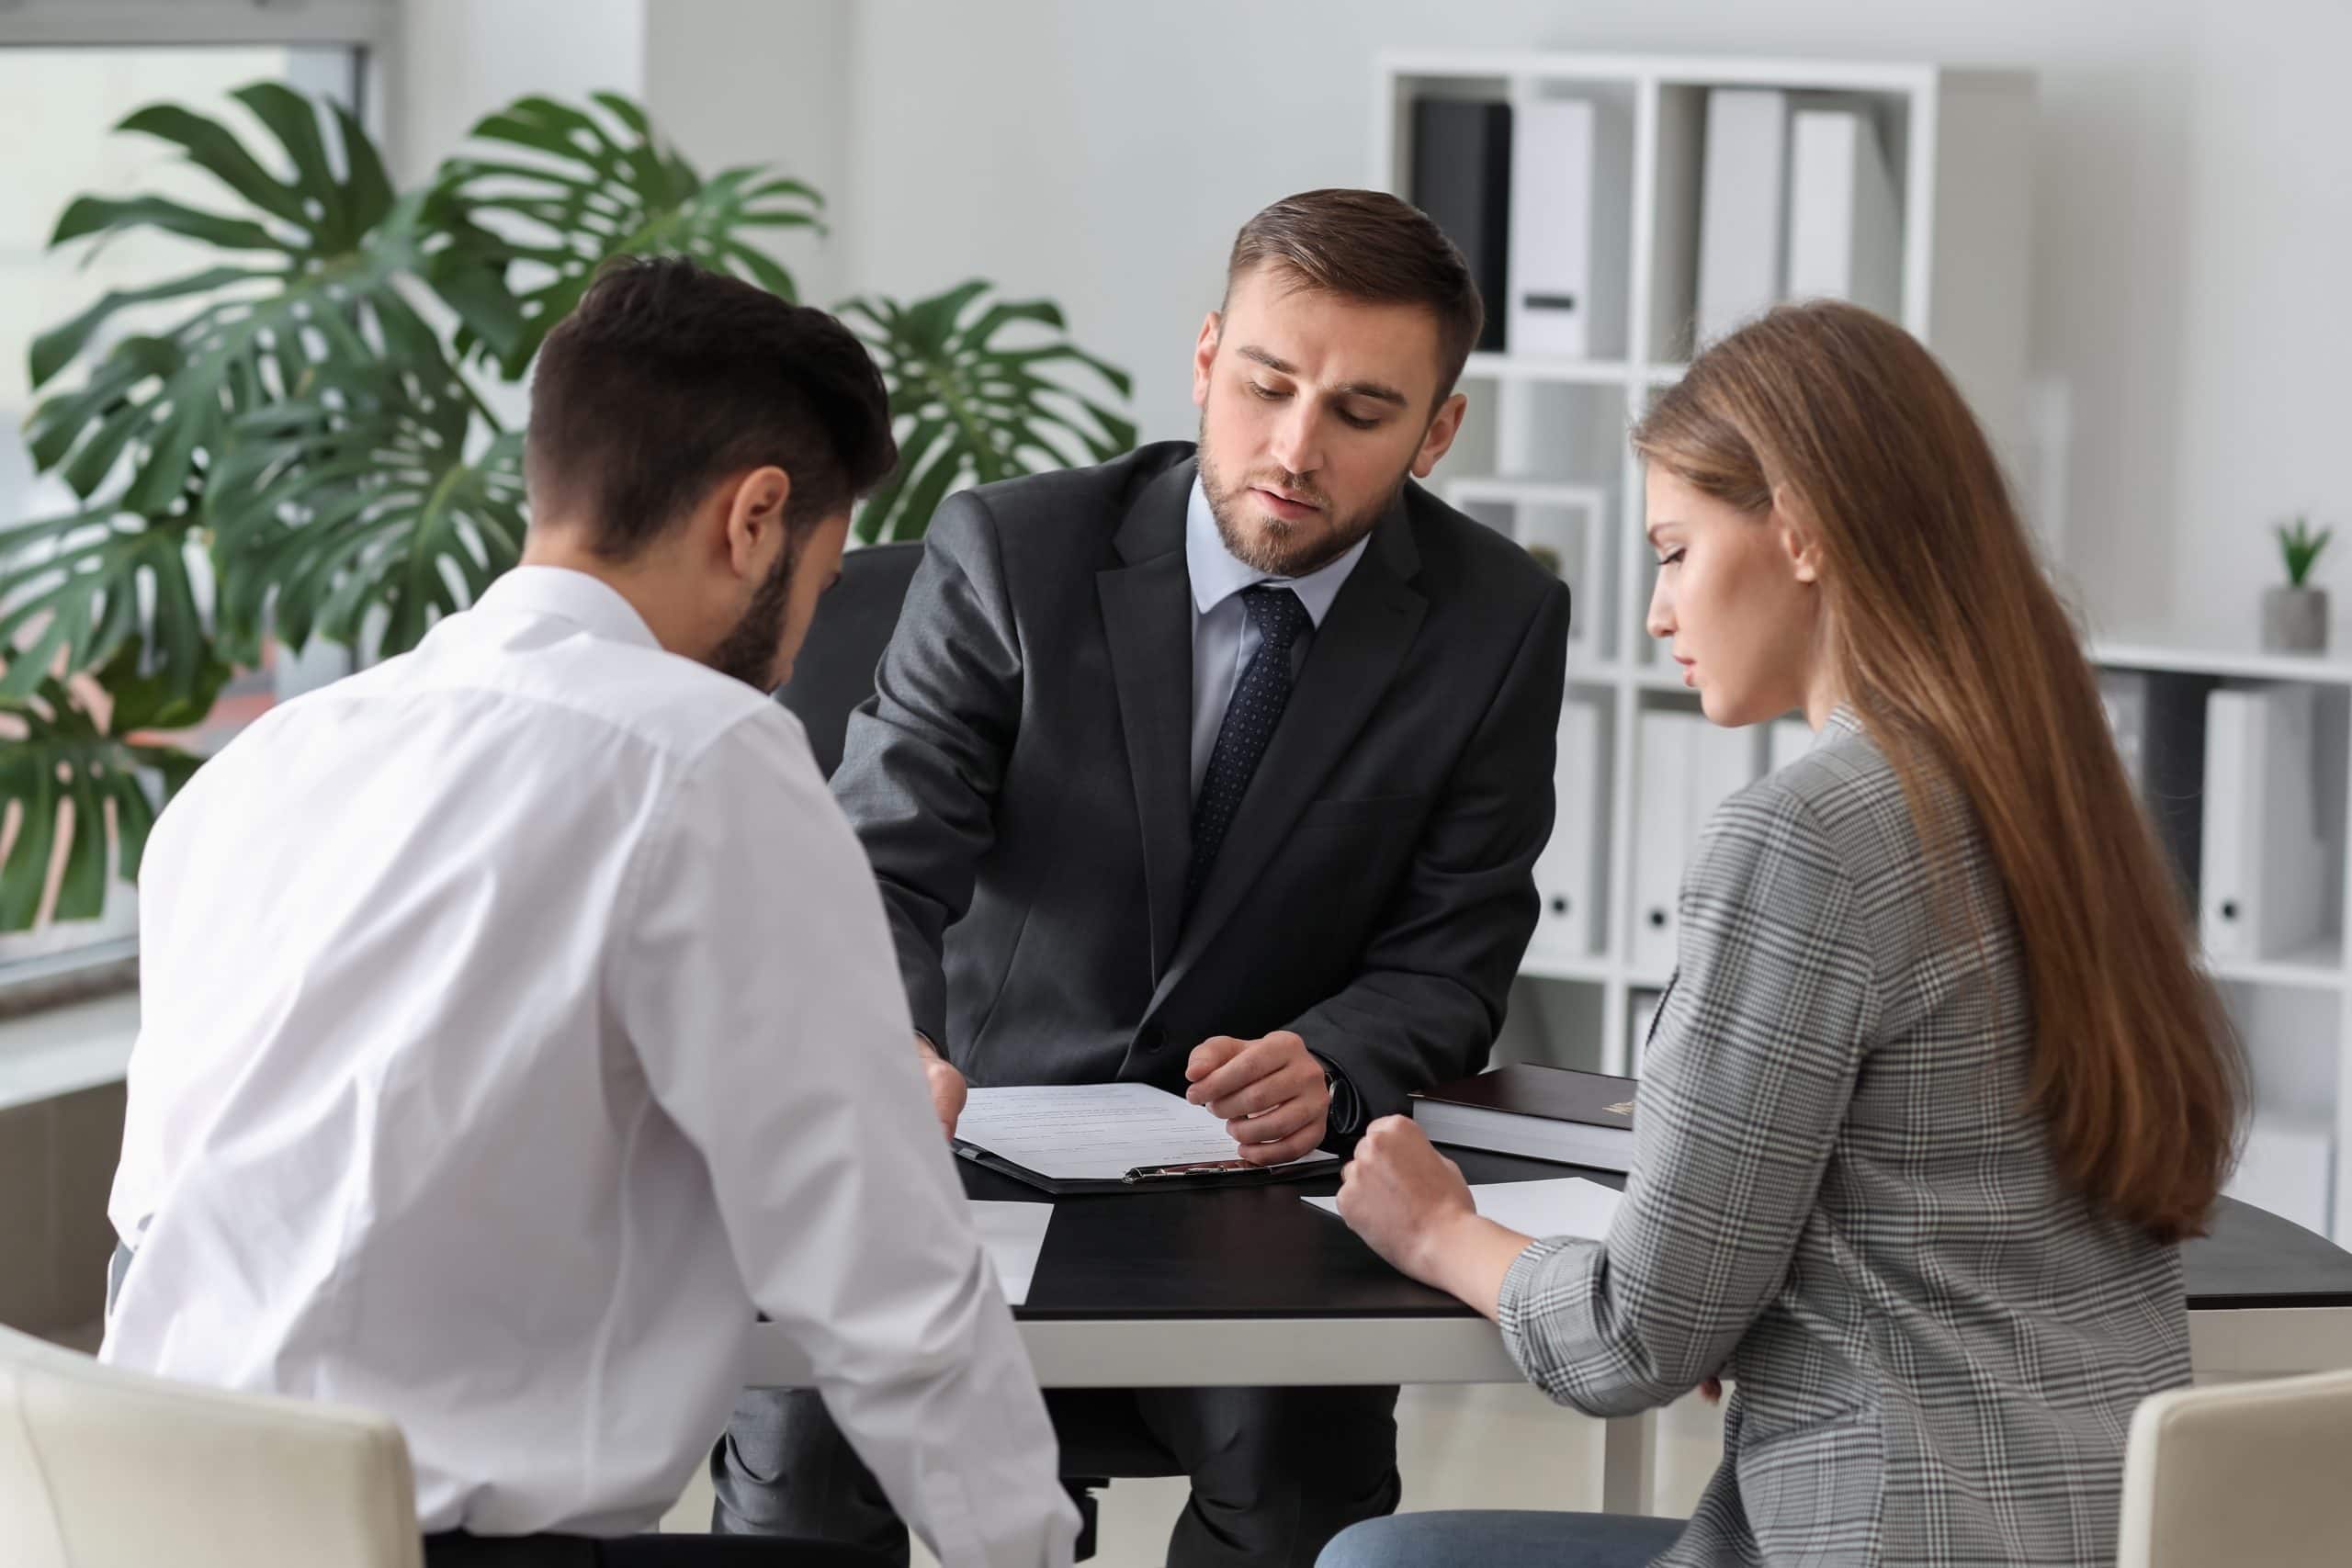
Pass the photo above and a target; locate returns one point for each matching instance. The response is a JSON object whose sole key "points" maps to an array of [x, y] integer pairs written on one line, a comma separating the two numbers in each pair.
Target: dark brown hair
{"points": [[1964, 667], [668, 377], [1368, 246]]}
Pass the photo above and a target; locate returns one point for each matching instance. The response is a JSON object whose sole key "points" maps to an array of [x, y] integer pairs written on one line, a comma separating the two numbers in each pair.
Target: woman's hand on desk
{"points": [[948, 1089], [1411, 1206]]}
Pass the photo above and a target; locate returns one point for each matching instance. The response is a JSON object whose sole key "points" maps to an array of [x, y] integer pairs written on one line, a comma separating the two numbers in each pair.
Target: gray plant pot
{"points": [[2294, 620]]}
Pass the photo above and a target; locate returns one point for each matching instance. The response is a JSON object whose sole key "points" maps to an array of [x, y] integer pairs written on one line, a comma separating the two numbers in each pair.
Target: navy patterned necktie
{"points": [[1258, 703]]}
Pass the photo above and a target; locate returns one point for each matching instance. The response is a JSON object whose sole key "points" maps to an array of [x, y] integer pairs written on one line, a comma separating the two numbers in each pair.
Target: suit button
{"points": [[1150, 1038]]}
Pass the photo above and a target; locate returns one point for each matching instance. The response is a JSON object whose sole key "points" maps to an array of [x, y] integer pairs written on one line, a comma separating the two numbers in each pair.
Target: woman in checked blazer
{"points": [[1936, 1090]]}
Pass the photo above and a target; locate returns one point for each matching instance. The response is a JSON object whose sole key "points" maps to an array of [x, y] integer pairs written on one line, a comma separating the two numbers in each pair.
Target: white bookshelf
{"points": [[1957, 143]]}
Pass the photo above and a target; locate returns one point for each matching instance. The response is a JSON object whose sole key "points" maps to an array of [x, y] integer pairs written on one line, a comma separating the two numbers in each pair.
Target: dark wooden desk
{"points": [[1250, 1286]]}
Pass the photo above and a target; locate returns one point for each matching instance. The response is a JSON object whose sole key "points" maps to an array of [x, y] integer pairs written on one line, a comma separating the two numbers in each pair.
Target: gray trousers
{"points": [[1276, 1472]]}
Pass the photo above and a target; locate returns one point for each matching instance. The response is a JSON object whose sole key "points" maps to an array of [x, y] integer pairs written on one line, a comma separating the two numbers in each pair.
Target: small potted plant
{"points": [[2294, 618]]}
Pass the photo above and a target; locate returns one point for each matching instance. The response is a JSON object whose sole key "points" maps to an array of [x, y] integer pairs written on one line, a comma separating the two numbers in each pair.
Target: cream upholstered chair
{"points": [[101, 1467], [2249, 1474]]}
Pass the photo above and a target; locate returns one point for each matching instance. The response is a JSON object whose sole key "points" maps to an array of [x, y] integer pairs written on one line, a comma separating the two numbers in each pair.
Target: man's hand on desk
{"points": [[1271, 1093], [947, 1087]]}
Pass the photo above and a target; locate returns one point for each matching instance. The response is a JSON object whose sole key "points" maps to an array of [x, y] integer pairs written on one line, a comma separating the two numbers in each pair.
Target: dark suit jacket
{"points": [[1021, 780]]}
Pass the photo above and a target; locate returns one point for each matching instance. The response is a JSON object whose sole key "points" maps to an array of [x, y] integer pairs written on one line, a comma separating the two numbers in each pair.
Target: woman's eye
{"points": [[1665, 561]]}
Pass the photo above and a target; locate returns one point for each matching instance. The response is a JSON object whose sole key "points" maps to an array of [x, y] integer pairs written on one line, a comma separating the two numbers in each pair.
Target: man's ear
{"points": [[755, 521], [1439, 437], [1798, 538], [1204, 356]]}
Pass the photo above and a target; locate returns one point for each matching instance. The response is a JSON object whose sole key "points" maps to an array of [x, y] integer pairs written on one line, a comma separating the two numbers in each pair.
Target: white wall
{"points": [[767, 82], [2192, 279], [461, 59]]}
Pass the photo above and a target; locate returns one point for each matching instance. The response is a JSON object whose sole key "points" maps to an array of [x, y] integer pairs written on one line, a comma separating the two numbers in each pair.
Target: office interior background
{"points": [[2156, 231]]}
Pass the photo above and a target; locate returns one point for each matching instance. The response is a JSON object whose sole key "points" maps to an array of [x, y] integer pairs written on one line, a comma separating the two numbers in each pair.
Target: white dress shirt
{"points": [[519, 1015], [1222, 638]]}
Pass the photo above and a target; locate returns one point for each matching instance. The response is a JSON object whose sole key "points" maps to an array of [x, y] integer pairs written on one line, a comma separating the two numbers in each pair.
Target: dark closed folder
{"points": [[1154, 1178], [1552, 1113]]}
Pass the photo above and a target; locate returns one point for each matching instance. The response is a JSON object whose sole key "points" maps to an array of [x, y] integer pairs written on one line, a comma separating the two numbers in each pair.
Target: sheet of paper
{"points": [[1014, 1233], [1569, 1206], [1093, 1132]]}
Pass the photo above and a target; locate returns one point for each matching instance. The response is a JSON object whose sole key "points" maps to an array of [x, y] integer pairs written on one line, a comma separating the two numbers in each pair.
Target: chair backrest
{"points": [[101, 1467], [2250, 1474], [835, 669]]}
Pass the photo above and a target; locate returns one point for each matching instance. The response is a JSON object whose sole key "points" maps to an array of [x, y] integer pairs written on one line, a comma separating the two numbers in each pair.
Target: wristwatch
{"points": [[1339, 1114]]}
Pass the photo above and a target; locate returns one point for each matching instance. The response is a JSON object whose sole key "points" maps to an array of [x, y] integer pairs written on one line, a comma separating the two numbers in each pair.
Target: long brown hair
{"points": [[1963, 666]]}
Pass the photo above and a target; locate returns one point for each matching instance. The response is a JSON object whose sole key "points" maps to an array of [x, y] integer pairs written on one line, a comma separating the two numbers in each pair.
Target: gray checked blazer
{"points": [[1838, 1203]]}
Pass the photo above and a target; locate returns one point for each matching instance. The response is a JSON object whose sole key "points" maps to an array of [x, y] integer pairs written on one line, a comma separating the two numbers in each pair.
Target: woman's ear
{"points": [[1794, 530]]}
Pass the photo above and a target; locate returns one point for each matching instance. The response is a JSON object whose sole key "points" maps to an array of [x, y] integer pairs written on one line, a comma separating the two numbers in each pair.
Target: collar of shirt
{"points": [[1218, 576], [595, 607]]}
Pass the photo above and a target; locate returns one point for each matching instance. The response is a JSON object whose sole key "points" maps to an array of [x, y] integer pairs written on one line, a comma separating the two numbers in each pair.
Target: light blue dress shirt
{"points": [[1222, 638]]}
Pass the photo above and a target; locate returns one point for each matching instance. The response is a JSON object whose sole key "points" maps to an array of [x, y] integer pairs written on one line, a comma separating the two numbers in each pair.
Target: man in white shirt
{"points": [[520, 1014]]}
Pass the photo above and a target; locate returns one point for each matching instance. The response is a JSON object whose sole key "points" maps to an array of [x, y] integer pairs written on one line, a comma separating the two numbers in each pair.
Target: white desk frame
{"points": [[1162, 1352]]}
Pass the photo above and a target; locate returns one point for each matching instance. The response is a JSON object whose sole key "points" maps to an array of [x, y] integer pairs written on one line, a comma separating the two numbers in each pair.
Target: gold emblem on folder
{"points": [[1622, 1108]]}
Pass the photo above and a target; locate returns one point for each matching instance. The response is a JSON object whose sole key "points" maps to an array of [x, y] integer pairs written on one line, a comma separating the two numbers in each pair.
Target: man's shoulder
{"points": [[572, 691]]}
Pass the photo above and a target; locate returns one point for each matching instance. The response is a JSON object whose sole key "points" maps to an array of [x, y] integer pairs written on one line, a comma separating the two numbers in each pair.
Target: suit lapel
{"points": [[1356, 655], [1147, 621]]}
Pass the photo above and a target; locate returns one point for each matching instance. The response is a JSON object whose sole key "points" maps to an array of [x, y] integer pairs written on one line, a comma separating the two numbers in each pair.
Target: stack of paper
{"points": [[1570, 1206], [1012, 1234]]}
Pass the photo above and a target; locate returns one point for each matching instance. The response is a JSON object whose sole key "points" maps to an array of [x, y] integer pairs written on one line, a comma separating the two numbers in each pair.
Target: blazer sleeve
{"points": [[923, 758], [1745, 1088], [1429, 996]]}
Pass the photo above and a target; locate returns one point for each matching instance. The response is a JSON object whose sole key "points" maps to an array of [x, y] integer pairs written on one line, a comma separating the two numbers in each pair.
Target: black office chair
{"points": [[833, 674], [835, 669]]}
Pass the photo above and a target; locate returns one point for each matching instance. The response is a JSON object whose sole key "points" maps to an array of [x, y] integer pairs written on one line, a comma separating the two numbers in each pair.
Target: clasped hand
{"points": [[1271, 1092]]}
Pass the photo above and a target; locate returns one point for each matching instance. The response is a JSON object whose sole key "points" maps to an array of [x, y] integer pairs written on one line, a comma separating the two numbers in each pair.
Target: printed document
{"points": [[1094, 1131]]}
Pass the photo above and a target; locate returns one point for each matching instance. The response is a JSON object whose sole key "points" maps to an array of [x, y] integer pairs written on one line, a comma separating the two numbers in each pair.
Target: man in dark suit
{"points": [[1223, 770]]}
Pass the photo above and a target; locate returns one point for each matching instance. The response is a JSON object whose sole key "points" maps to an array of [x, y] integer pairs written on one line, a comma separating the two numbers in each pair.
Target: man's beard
{"points": [[749, 650], [1278, 546]]}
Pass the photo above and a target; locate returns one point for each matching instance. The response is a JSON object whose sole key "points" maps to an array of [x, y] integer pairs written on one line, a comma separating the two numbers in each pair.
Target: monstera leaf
{"points": [[384, 489], [75, 589], [323, 256], [970, 410], [95, 785], [581, 189]]}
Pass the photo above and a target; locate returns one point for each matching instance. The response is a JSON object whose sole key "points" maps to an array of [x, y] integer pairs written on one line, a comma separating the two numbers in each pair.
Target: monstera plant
{"points": [[303, 451]]}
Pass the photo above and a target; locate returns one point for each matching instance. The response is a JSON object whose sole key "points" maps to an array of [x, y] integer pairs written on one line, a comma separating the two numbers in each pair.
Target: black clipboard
{"points": [[1168, 1178]]}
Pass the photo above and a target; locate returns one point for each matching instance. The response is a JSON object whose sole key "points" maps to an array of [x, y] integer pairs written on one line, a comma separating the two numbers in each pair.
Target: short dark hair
{"points": [[1370, 246], [668, 377]]}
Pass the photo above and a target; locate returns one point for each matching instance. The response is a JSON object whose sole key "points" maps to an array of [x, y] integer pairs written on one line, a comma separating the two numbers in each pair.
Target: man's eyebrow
{"points": [[1377, 391]]}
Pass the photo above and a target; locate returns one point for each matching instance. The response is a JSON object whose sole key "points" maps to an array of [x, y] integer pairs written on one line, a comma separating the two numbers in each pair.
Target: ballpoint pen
{"points": [[1149, 1172]]}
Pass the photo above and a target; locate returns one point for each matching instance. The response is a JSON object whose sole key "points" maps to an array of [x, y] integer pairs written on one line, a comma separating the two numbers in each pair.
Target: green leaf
{"points": [[570, 189], [68, 775], [332, 305], [294, 122], [373, 497], [90, 215], [215, 149], [971, 411], [57, 347], [146, 699], [73, 585]]}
